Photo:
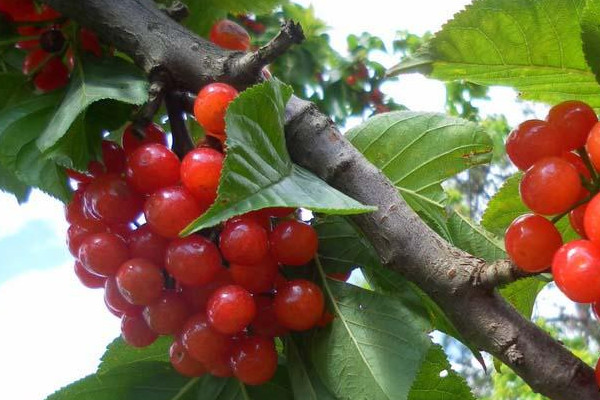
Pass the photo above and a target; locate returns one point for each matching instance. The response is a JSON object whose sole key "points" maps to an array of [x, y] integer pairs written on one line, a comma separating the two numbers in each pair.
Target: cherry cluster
{"points": [[46, 38]]}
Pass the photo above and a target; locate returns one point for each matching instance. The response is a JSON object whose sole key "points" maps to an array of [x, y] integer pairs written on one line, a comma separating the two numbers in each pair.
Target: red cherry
{"points": [[576, 270], [153, 134], [244, 241], [593, 145], [325, 319], [75, 215], [89, 42], [113, 157], [577, 162], [591, 219], [170, 209], [210, 107], [576, 219], [293, 242], [193, 260], [135, 332], [230, 35], [344, 276], [88, 279], [254, 360], [230, 309], [531, 141], [299, 305], [103, 253], [110, 199], [531, 241], [115, 301], [167, 315], [183, 362], [550, 186], [200, 174], [573, 119], [265, 323], [144, 243], [75, 236], [26, 11], [54, 75], [151, 167], [28, 31], [140, 281], [78, 177], [597, 372], [351, 80], [256, 278], [198, 297]]}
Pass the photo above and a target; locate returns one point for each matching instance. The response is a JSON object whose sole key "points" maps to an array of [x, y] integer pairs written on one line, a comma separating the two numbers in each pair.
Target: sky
{"points": [[53, 329]]}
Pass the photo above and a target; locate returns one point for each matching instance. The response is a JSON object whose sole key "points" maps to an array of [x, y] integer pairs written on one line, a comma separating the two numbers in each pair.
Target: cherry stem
{"points": [[588, 163], [182, 142], [156, 94]]}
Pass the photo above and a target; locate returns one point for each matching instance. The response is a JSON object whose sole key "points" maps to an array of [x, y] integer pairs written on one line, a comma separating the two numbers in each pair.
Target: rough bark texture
{"points": [[460, 283]]}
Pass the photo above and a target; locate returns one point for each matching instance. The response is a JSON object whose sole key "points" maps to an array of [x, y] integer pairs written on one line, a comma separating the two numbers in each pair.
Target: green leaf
{"points": [[437, 380], [13, 87], [533, 46], [474, 239], [10, 183], [372, 349], [590, 35], [93, 81], [522, 294], [118, 353], [258, 171]]}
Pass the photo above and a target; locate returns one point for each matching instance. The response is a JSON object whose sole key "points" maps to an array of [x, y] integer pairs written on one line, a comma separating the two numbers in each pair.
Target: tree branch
{"points": [[499, 273], [403, 242]]}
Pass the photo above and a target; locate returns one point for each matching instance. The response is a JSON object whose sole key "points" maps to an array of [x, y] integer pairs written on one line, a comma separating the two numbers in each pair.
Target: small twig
{"points": [[588, 163], [187, 100], [500, 273], [182, 143], [177, 11], [159, 81]]}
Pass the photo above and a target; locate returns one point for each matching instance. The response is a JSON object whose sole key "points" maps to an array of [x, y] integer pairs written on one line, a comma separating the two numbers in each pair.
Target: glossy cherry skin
{"points": [[229, 35], [244, 241], [265, 323], [135, 332], [531, 241], [115, 301], [597, 372], [577, 162], [591, 219], [573, 119], [293, 242], [183, 362], [167, 314], [193, 260], [103, 253], [531, 141], [230, 309], [170, 209], [153, 134], [53, 75], [592, 145], [89, 42], [151, 167], [211, 105], [88, 279], [299, 305], [256, 278], [550, 186], [113, 157], [577, 221], [140, 281], [200, 173], [197, 296], [576, 270], [144, 243], [112, 200], [254, 360], [26, 11]]}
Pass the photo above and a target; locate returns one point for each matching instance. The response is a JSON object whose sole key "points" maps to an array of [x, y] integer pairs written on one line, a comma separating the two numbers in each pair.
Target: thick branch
{"points": [[403, 241]]}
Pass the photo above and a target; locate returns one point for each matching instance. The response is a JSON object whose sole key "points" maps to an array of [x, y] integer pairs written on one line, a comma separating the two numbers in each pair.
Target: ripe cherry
{"points": [[167, 314], [577, 218], [183, 362], [112, 200], [577, 162], [265, 323], [210, 107], [113, 157], [229, 35], [52, 75], [256, 278], [135, 332], [200, 173], [197, 296], [89, 42], [244, 241], [151, 167], [88, 279], [299, 305], [152, 134], [576, 270], [597, 372], [193, 260], [115, 301], [144, 243], [52, 40], [293, 242], [170, 209], [573, 119], [531, 141], [103, 253], [140, 281], [230, 309], [591, 220], [531, 241], [593, 145], [254, 360], [550, 186]]}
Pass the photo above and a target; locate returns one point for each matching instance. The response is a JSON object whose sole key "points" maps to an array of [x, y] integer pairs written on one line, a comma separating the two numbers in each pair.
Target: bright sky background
{"points": [[54, 330]]}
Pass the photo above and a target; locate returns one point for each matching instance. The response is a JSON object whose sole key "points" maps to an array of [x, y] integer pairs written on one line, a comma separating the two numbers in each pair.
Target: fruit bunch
{"points": [[219, 293]]}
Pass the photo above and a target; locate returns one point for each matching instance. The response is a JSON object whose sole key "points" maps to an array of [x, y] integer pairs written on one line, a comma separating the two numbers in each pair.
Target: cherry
{"points": [[140, 281], [52, 40], [26, 11], [75, 214], [256, 278], [230, 309], [593, 145], [153, 134], [299, 305], [207, 345], [54, 75], [144, 243], [344, 276], [135, 332], [89, 42], [75, 236], [110, 199], [229, 35], [167, 314], [591, 219], [573, 119], [265, 323], [115, 301], [198, 297], [254, 360], [531, 241], [183, 362], [170, 209], [113, 157], [577, 162], [576, 270], [151, 167], [351, 80], [86, 278], [210, 107], [550, 186], [531, 141], [325, 319], [200, 174], [193, 260], [79, 178], [597, 372], [28, 31], [244, 241], [293, 242], [103, 253], [576, 219]]}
